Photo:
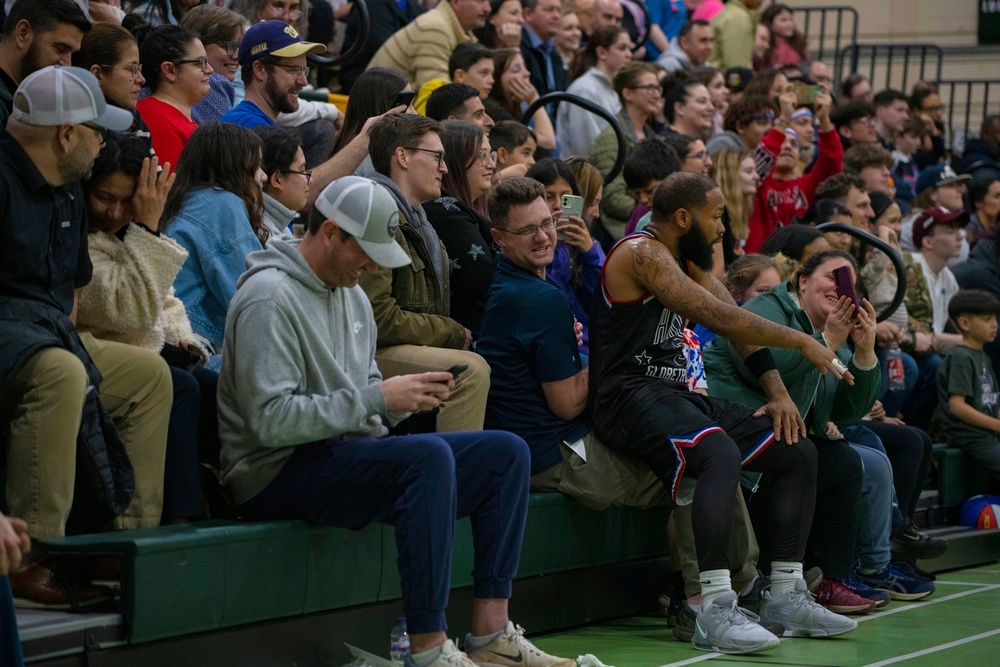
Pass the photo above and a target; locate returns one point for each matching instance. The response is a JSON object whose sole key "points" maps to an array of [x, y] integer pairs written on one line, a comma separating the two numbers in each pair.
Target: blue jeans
{"points": [[872, 547], [10, 645], [419, 484]]}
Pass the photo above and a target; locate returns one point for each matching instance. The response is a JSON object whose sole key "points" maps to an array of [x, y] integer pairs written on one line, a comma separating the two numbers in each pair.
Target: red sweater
{"points": [[169, 129], [777, 202]]}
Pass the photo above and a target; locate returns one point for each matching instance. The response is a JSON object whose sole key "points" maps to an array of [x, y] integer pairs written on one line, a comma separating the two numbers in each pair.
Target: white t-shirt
{"points": [[941, 288]]}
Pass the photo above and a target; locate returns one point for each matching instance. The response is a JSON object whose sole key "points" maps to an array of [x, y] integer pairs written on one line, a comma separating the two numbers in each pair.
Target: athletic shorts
{"points": [[657, 423]]}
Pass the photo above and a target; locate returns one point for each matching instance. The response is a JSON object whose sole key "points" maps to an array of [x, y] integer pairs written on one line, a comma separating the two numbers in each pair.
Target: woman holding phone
{"points": [[577, 261]]}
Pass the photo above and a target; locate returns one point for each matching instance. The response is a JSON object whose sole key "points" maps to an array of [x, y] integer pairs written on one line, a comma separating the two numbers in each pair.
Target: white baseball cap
{"points": [[57, 95], [365, 210]]}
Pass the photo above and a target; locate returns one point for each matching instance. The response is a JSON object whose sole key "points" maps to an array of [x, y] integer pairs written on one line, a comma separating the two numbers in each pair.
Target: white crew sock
{"points": [[480, 642], [426, 657], [713, 584], [783, 576]]}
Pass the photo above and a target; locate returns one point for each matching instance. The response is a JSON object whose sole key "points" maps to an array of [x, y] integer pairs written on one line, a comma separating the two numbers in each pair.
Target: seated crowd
{"points": [[315, 304]]}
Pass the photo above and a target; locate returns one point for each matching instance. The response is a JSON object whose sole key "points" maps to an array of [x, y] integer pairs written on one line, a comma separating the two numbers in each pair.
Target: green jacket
{"points": [[819, 398], [617, 202], [734, 29], [409, 305]]}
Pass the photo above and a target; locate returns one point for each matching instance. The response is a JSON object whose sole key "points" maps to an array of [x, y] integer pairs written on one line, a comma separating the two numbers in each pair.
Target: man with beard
{"points": [[652, 282], [37, 33], [68, 463], [273, 68], [782, 197]]}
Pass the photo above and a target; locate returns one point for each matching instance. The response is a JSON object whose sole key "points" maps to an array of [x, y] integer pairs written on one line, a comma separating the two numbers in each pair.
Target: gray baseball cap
{"points": [[365, 210], [57, 95]]}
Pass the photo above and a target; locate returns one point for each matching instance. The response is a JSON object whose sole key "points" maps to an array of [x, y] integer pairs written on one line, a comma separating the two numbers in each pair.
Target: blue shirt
{"points": [[527, 337], [246, 114], [670, 15]]}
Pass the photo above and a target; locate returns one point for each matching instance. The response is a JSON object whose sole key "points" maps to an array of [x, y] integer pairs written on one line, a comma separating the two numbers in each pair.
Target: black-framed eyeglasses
{"points": [[232, 48], [295, 70], [134, 69], [485, 158], [531, 230], [202, 63], [101, 131], [308, 174], [438, 154]]}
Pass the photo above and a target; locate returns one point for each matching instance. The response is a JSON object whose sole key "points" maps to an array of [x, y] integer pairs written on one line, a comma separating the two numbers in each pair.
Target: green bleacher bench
{"points": [[200, 577], [959, 477]]}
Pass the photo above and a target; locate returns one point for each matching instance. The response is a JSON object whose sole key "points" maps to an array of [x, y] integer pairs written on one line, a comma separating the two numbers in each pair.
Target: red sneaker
{"points": [[839, 599]]}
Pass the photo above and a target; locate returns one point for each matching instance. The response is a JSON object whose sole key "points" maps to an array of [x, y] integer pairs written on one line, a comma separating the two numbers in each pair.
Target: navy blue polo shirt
{"points": [[43, 256], [527, 337]]}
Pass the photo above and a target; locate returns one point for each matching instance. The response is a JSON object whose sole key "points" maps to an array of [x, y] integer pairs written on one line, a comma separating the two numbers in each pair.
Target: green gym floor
{"points": [[957, 626]]}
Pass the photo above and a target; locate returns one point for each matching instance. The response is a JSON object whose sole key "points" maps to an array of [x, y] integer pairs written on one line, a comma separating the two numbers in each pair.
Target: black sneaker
{"points": [[671, 607], [687, 618], [908, 543]]}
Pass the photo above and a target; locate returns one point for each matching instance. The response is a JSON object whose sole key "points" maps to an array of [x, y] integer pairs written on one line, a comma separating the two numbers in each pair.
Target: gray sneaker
{"points": [[801, 615], [725, 628]]}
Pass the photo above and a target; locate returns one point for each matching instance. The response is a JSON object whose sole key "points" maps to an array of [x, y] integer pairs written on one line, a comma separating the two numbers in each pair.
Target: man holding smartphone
{"points": [[303, 415]]}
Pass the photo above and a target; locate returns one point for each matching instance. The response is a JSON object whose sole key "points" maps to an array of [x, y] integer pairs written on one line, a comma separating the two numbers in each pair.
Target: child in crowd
{"points": [[515, 145], [787, 45], [967, 387], [904, 169]]}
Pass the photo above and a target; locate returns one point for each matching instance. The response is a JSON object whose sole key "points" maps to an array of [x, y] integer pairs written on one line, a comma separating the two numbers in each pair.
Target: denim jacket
{"points": [[214, 227]]}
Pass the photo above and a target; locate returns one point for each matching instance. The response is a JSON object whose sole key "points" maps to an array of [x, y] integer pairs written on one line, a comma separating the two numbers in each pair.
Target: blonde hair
{"points": [[725, 171]]}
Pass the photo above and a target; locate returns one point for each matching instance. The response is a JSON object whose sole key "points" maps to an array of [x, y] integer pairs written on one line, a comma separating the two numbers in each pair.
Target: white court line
{"points": [[934, 649], [920, 604], [983, 588]]}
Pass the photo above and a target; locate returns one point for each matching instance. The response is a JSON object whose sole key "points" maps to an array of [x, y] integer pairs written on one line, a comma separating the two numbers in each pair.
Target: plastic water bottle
{"points": [[894, 361], [399, 642]]}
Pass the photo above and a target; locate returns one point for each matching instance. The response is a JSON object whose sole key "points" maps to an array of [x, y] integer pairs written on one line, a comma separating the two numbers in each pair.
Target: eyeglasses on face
{"points": [[437, 154], [295, 70], [101, 131], [201, 63], [232, 48], [308, 174], [530, 230], [134, 69], [277, 11], [485, 158]]}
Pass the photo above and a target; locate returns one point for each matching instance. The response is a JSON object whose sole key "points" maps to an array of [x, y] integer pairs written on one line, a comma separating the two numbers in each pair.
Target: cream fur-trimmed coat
{"points": [[130, 298]]}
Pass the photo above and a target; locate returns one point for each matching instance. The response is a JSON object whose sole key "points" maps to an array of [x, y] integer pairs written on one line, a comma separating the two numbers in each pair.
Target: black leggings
{"points": [[782, 518]]}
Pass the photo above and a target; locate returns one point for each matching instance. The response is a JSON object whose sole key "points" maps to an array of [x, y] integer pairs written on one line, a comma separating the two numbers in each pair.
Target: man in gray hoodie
{"points": [[690, 50], [302, 416]]}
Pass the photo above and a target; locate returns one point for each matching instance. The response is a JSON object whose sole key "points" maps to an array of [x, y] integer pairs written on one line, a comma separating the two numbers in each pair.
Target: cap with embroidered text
{"points": [[365, 210], [274, 38]]}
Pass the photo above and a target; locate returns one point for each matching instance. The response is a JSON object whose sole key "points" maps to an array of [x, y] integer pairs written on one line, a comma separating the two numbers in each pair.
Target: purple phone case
{"points": [[845, 286]]}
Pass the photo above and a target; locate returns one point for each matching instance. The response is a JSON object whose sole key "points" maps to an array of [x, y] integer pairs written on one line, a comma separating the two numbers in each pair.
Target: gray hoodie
{"points": [[674, 59], [277, 217], [299, 366]]}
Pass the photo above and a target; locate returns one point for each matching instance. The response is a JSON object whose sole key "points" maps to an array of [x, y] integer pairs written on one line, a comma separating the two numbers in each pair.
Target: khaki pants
{"points": [[465, 409], [47, 396], [607, 478]]}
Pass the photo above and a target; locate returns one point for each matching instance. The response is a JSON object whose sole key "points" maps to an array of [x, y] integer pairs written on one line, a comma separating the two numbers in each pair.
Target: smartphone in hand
{"points": [[457, 370], [403, 99], [845, 287]]}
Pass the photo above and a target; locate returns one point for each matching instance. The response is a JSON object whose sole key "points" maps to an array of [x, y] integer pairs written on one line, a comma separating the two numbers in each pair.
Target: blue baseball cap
{"points": [[274, 38], [938, 175]]}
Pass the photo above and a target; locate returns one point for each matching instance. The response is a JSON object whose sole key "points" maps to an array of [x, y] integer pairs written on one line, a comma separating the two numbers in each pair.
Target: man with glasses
{"points": [[37, 33], [412, 303], [63, 394]]}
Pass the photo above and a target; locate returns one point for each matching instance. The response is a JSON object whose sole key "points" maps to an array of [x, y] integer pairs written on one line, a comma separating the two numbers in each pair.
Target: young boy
{"points": [[651, 161], [514, 144], [904, 171], [470, 63], [967, 386]]}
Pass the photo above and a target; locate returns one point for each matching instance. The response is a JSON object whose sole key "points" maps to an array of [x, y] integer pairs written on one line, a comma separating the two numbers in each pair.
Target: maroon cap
{"points": [[936, 216]]}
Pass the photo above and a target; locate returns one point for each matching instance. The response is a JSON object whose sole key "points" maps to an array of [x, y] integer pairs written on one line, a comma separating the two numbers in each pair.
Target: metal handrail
{"points": [[931, 62], [560, 96], [353, 49], [889, 251], [841, 11]]}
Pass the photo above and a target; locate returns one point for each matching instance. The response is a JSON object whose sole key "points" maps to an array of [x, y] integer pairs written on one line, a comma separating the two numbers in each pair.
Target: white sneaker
{"points": [[725, 628], [512, 649], [802, 616], [450, 657]]}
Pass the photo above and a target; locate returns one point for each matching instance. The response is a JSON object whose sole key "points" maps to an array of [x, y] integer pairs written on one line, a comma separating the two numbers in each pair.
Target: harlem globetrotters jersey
{"points": [[633, 343]]}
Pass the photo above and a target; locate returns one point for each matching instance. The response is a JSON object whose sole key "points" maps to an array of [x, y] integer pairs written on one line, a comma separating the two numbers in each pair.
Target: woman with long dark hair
{"points": [[131, 300], [177, 72], [513, 92], [458, 218], [216, 212], [594, 68], [372, 95], [578, 258]]}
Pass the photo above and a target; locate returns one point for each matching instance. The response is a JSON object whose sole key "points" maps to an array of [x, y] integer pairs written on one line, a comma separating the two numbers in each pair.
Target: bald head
{"points": [[606, 12]]}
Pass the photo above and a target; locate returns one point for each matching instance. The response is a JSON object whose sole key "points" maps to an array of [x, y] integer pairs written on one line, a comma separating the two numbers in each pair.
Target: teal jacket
{"points": [[820, 398]]}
